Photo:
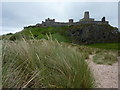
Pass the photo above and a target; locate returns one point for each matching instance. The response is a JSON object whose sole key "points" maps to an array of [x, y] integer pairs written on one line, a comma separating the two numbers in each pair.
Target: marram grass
{"points": [[44, 64], [105, 57]]}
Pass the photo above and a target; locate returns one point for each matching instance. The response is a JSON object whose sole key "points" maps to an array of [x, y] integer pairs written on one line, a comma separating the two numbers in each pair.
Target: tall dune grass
{"points": [[44, 64]]}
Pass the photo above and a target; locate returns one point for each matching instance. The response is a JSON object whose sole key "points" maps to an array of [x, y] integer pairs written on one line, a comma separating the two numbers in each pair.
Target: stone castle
{"points": [[85, 20]]}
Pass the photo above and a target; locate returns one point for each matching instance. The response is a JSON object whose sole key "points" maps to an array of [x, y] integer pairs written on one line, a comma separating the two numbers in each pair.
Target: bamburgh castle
{"points": [[86, 19], [85, 31]]}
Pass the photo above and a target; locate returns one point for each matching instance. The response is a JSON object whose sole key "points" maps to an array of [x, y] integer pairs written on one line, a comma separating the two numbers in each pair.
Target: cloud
{"points": [[19, 14], [6, 30]]}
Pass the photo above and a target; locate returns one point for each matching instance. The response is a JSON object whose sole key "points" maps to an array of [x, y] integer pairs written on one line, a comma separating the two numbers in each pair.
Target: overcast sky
{"points": [[16, 15]]}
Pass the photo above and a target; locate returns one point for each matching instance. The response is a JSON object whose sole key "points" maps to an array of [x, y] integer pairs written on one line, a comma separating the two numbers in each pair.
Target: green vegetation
{"points": [[45, 57], [46, 64], [50, 64], [5, 37], [79, 34], [1, 37], [106, 53], [59, 33], [105, 57], [108, 46], [60, 38]]}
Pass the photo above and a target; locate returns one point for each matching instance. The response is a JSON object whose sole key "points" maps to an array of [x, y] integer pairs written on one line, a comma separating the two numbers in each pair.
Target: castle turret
{"points": [[103, 19], [86, 15], [49, 22], [70, 21]]}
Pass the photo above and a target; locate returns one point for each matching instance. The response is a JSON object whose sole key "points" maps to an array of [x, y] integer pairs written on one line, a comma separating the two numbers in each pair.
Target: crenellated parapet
{"points": [[85, 20]]}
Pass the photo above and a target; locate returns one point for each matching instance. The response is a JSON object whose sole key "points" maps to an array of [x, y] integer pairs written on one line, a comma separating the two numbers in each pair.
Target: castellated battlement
{"points": [[86, 19]]}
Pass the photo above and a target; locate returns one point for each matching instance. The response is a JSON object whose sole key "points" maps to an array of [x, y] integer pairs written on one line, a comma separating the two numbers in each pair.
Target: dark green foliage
{"points": [[9, 34], [13, 38], [94, 33], [109, 46]]}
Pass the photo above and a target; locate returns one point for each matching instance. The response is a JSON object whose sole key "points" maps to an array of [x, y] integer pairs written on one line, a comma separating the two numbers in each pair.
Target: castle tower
{"points": [[103, 19], [86, 15], [70, 21]]}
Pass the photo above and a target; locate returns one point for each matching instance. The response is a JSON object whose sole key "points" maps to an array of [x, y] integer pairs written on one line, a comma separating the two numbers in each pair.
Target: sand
{"points": [[106, 76]]}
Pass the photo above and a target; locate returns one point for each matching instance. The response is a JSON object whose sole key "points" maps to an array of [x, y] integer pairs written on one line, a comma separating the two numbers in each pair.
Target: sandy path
{"points": [[106, 76]]}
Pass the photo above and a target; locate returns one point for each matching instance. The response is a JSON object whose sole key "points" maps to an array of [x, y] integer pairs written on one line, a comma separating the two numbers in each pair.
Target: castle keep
{"points": [[85, 20]]}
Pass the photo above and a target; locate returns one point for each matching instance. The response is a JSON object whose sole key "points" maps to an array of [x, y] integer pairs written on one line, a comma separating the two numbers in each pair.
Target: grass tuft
{"points": [[105, 57]]}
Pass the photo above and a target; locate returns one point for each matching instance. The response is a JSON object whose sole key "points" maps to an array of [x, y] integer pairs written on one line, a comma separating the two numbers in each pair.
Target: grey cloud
{"points": [[19, 14]]}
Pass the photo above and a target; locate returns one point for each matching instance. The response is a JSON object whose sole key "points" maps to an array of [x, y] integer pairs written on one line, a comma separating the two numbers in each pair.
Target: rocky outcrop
{"points": [[93, 33]]}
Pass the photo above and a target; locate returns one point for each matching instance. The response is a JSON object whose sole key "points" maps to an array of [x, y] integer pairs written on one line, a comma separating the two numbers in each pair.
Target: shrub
{"points": [[9, 34], [13, 38]]}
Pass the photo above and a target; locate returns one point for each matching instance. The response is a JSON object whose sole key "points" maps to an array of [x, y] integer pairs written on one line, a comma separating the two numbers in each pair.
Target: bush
{"points": [[9, 34], [13, 38]]}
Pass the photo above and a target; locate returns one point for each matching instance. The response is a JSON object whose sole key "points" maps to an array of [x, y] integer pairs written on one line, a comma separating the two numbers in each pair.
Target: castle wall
{"points": [[85, 20], [95, 22], [100, 22], [67, 23], [89, 19]]}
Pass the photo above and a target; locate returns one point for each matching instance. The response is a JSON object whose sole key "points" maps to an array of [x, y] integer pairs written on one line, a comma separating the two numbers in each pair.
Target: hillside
{"points": [[59, 33], [31, 61], [79, 34], [94, 33]]}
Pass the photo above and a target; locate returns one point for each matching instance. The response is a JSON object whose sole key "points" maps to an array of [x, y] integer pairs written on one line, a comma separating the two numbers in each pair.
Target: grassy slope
{"points": [[59, 33], [60, 38]]}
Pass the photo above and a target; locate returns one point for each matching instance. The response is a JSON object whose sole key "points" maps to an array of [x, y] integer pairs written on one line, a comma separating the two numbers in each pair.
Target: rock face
{"points": [[93, 33]]}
